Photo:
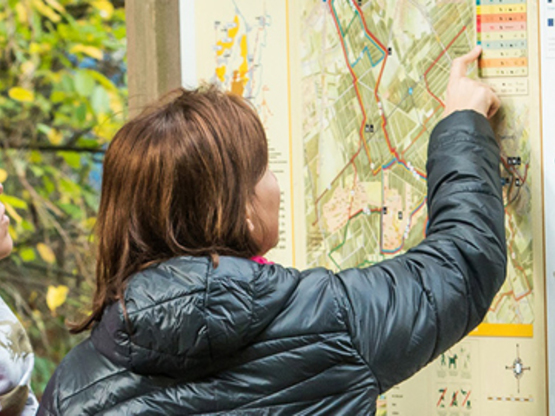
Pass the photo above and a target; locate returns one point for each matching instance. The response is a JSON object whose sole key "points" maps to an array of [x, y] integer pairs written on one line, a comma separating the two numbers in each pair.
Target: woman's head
{"points": [[189, 176]]}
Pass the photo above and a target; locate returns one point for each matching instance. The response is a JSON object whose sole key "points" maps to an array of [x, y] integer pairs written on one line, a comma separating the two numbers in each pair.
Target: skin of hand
{"points": [[464, 93], [6, 243]]}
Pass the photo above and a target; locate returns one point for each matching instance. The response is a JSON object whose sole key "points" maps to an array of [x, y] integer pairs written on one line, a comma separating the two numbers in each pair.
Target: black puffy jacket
{"points": [[250, 339]]}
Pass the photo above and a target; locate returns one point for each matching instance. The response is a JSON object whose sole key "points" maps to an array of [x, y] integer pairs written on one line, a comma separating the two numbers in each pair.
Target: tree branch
{"points": [[47, 148]]}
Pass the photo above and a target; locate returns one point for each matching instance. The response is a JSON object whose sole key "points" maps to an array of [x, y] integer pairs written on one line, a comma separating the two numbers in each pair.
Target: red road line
{"points": [[375, 39], [506, 294], [518, 267], [384, 120], [359, 98], [361, 131], [514, 173], [513, 170], [355, 83], [337, 176], [376, 96]]}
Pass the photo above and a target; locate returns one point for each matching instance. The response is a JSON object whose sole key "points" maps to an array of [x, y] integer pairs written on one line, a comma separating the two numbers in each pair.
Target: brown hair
{"points": [[177, 181]]}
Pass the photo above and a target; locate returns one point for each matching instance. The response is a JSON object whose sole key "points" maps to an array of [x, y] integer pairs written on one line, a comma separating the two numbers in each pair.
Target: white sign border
{"points": [[187, 38], [547, 41]]}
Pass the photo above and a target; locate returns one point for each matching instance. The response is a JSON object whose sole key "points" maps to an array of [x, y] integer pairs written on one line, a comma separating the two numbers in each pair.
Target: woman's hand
{"points": [[6, 243], [464, 93]]}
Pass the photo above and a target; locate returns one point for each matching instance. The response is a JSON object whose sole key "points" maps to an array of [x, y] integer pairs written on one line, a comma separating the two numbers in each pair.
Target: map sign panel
{"points": [[242, 47], [373, 88], [349, 92]]}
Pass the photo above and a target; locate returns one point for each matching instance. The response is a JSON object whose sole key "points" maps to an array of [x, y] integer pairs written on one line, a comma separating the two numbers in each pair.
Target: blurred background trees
{"points": [[63, 94]]}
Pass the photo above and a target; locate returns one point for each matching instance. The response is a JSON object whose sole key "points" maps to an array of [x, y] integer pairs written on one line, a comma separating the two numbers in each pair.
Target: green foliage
{"points": [[62, 98]]}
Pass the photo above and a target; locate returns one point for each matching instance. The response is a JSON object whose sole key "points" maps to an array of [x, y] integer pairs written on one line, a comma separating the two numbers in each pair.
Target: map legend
{"points": [[501, 29]]}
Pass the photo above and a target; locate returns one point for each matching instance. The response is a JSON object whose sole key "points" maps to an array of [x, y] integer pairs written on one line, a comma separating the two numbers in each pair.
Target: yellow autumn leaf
{"points": [[55, 137], [21, 12], [21, 94], [56, 76], [35, 157], [105, 8], [46, 11], [34, 48], [13, 232], [103, 80], [65, 199], [89, 223], [33, 296], [27, 67], [12, 213], [56, 297], [56, 6], [46, 253], [87, 50], [116, 104], [105, 127], [3, 175]]}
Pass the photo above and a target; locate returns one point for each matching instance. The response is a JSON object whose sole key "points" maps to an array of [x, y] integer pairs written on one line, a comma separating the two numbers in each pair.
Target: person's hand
{"points": [[464, 93], [6, 243]]}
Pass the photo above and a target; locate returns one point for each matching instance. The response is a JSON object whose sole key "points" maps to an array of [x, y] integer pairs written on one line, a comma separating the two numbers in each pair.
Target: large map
{"points": [[373, 85], [349, 92]]}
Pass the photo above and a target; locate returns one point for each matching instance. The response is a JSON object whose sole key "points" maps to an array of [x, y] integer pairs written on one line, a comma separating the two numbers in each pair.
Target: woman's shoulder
{"points": [[16, 361], [80, 371], [11, 330]]}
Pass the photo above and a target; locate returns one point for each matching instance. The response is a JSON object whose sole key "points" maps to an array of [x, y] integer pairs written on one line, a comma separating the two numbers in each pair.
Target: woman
{"points": [[184, 322], [16, 356]]}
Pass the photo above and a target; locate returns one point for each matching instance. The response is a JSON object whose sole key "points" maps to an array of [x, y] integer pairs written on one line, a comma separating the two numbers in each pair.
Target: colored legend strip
{"points": [[501, 29], [504, 330]]}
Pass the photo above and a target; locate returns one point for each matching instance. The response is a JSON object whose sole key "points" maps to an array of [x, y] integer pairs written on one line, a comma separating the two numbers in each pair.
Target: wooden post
{"points": [[153, 50]]}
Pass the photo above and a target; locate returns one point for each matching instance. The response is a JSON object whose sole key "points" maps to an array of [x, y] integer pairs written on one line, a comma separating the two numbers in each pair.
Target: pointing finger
{"points": [[460, 65]]}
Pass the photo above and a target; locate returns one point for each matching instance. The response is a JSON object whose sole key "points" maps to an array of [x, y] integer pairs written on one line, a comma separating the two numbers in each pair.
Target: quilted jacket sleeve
{"points": [[404, 312], [16, 367]]}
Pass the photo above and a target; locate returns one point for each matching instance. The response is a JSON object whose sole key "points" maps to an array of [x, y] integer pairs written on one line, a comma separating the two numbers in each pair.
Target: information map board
{"points": [[349, 91]]}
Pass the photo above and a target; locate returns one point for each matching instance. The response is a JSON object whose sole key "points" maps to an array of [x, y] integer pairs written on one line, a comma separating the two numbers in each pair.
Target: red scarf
{"points": [[261, 260]]}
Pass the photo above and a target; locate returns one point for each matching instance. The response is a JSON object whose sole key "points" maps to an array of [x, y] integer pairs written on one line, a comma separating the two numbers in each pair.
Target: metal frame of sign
{"points": [[547, 41]]}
